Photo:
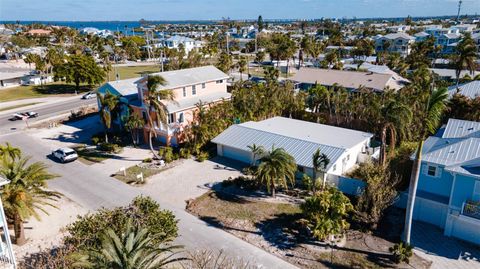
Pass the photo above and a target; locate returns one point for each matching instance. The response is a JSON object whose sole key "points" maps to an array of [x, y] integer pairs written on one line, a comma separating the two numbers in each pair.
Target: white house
{"points": [[174, 42], [344, 148], [398, 42]]}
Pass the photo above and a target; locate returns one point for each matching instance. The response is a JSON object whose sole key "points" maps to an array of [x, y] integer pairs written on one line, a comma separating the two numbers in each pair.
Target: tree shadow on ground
{"points": [[60, 89], [214, 222], [283, 231]]}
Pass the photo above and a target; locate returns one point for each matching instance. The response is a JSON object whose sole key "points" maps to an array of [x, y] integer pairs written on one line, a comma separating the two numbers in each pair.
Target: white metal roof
{"points": [[470, 89], [125, 86], [458, 149], [189, 76], [299, 138]]}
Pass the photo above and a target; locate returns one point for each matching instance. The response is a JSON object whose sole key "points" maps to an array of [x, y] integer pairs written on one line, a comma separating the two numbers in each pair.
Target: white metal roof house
{"points": [[345, 148], [448, 193], [398, 42], [470, 89]]}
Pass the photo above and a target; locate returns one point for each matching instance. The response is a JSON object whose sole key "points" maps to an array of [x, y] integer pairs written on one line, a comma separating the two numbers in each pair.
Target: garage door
{"points": [[237, 154], [466, 228], [430, 212]]}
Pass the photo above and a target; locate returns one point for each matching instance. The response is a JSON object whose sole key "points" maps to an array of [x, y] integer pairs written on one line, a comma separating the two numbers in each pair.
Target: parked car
{"points": [[89, 95], [23, 115], [65, 155]]}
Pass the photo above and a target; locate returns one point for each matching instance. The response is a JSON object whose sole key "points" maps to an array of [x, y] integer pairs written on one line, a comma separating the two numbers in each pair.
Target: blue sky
{"points": [[216, 9]]}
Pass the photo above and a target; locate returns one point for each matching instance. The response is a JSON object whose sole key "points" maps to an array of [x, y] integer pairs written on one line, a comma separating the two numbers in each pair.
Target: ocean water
{"points": [[108, 25]]}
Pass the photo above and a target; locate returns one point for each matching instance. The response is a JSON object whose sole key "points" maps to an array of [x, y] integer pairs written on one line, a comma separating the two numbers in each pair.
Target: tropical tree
{"points": [[326, 212], [256, 151], [466, 56], [133, 124], [80, 69], [9, 151], [242, 66], [225, 62], [155, 107], [395, 116], [26, 193], [430, 118], [131, 248], [320, 162], [108, 103], [281, 47], [277, 168]]}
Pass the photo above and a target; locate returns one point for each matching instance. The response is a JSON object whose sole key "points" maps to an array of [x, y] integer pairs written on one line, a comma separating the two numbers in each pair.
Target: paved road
{"points": [[44, 111], [92, 189]]}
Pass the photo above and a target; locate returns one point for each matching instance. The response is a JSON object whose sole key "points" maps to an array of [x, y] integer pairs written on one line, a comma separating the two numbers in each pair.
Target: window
{"points": [[184, 92], [219, 81], [432, 171], [194, 90], [180, 117], [171, 118], [203, 85]]}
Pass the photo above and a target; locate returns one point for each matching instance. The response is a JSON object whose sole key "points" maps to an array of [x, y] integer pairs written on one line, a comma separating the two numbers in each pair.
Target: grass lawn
{"points": [[133, 171], [52, 89], [17, 106], [126, 72]]}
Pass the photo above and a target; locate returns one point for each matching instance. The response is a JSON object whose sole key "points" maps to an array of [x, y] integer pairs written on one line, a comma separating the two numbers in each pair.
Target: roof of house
{"points": [[189, 76], [177, 38], [10, 72], [457, 147], [398, 35], [349, 79], [299, 138], [421, 34], [124, 87], [470, 89], [451, 73]]}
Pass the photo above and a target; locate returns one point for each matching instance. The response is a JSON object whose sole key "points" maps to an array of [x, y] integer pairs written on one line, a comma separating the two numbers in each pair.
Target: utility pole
{"points": [[228, 45], [459, 8]]}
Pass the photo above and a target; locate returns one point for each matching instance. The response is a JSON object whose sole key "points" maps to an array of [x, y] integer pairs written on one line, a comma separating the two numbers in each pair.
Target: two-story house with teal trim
{"points": [[448, 194]]}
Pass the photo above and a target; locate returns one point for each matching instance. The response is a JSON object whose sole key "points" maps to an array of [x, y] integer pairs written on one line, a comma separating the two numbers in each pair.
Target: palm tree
{"points": [[277, 167], [8, 151], [153, 100], [395, 115], [242, 66], [466, 56], [26, 193], [256, 151], [132, 125], [108, 102], [131, 249], [320, 162], [432, 115]]}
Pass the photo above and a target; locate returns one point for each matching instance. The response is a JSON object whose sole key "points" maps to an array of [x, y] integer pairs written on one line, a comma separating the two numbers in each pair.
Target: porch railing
{"points": [[471, 209]]}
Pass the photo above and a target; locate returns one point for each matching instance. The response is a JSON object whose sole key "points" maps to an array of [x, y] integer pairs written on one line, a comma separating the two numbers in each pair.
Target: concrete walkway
{"points": [[444, 252]]}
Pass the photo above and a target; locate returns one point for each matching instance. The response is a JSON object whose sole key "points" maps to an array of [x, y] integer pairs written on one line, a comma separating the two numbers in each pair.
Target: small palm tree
{"points": [[432, 115], [26, 193], [242, 66], [256, 151], [320, 162], [466, 56], [108, 102], [8, 151], [131, 249], [133, 124], [153, 101], [277, 167]]}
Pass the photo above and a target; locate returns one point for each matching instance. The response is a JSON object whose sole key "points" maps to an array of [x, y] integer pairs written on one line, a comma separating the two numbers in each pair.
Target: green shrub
{"points": [[185, 153], [144, 212], [109, 147], [307, 182], [241, 182], [401, 252], [95, 140], [147, 160], [166, 153], [203, 156]]}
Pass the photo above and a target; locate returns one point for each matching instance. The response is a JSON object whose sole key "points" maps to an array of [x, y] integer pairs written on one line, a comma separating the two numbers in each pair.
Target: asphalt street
{"points": [[44, 112]]}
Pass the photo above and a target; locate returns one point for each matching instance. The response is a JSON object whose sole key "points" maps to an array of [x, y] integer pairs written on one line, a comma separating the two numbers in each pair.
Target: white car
{"points": [[65, 154], [89, 95]]}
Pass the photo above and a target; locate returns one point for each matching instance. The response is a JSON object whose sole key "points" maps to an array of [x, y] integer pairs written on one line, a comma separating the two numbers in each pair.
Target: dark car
{"points": [[24, 115]]}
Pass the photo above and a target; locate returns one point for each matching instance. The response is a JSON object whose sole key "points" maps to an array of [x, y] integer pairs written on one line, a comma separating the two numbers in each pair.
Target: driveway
{"points": [[189, 179], [92, 189], [444, 252]]}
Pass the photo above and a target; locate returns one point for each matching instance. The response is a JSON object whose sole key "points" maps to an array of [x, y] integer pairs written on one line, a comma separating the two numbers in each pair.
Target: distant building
{"points": [[39, 32], [175, 42], [351, 80], [399, 43]]}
